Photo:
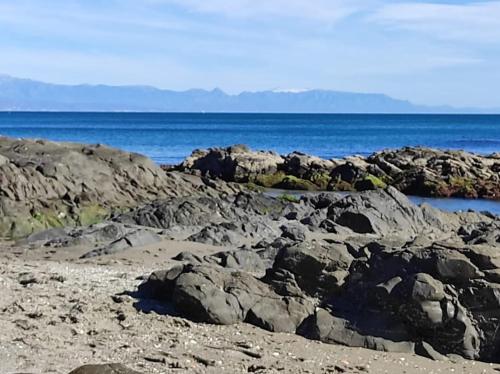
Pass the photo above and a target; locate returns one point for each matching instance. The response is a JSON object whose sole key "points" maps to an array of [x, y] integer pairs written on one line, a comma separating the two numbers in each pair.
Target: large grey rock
{"points": [[330, 329], [413, 284], [216, 295], [379, 212], [237, 163], [47, 184], [319, 268], [305, 166]]}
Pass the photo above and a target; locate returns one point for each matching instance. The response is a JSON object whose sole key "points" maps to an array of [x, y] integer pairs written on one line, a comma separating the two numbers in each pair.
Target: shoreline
{"points": [[449, 204]]}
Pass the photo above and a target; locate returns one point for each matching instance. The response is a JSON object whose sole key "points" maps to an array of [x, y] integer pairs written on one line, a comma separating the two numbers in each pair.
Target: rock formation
{"points": [[47, 184], [413, 171], [364, 269], [375, 271]]}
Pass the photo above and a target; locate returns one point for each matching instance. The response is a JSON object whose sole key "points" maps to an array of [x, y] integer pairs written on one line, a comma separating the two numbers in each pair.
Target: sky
{"points": [[428, 52]]}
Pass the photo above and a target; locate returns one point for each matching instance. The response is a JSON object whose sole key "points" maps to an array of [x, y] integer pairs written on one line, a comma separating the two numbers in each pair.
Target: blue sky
{"points": [[428, 52]]}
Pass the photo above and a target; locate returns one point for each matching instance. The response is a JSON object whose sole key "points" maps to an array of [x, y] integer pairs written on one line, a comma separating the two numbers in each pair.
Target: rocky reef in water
{"points": [[413, 171]]}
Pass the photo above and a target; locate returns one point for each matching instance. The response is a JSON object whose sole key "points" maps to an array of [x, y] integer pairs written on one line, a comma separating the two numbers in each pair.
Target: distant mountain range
{"points": [[29, 95]]}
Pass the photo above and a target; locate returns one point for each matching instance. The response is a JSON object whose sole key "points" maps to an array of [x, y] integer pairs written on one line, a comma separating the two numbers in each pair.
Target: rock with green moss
{"points": [[47, 184], [320, 179], [91, 214], [289, 198], [432, 172], [270, 180], [306, 166], [463, 187], [369, 182], [293, 183], [21, 227], [412, 170], [251, 186]]}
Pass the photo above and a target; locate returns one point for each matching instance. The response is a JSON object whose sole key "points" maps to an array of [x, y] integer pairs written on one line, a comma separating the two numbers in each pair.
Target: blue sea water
{"points": [[170, 137]]}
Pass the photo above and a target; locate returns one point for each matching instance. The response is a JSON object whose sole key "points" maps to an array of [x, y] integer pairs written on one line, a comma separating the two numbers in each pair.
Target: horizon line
{"points": [[14, 111]]}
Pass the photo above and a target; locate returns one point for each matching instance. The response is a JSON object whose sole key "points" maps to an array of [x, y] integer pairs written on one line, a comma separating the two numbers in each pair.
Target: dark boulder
{"points": [[216, 295], [379, 212], [318, 268]]}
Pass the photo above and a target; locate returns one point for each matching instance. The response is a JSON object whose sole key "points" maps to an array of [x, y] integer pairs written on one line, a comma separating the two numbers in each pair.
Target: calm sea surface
{"points": [[168, 137]]}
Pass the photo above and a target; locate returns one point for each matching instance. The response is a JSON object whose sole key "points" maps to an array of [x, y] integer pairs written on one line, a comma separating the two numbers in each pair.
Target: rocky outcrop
{"points": [[47, 184], [251, 219], [215, 295], [247, 218], [224, 220], [413, 171], [237, 163], [384, 274], [366, 269], [431, 172], [106, 238], [240, 164], [379, 212]]}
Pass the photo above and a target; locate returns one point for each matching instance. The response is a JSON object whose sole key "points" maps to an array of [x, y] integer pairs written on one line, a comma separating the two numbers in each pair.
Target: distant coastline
{"points": [[25, 95]]}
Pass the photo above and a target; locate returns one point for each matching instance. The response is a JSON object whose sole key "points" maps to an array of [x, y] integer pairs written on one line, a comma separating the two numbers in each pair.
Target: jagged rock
{"points": [[215, 295], [411, 170], [222, 220], [135, 238], [295, 232], [348, 173], [431, 172], [108, 237], [330, 329], [307, 167], [412, 284], [237, 163], [47, 184], [379, 212], [318, 268]]}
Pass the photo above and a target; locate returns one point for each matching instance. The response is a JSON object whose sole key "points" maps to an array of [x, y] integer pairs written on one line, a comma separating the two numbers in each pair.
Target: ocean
{"points": [[170, 137]]}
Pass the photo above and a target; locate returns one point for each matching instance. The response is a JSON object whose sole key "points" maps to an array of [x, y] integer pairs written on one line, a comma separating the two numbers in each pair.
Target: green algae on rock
{"points": [[412, 170], [49, 184]]}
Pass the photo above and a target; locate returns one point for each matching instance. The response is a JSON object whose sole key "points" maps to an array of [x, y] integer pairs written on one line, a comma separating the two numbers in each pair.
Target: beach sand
{"points": [[58, 312]]}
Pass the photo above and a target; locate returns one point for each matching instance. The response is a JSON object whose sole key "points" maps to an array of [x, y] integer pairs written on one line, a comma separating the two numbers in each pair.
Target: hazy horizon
{"points": [[428, 52], [18, 94]]}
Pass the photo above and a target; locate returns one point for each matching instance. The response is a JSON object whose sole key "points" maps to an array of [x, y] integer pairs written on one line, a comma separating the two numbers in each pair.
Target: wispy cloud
{"points": [[407, 48], [319, 10], [470, 22]]}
